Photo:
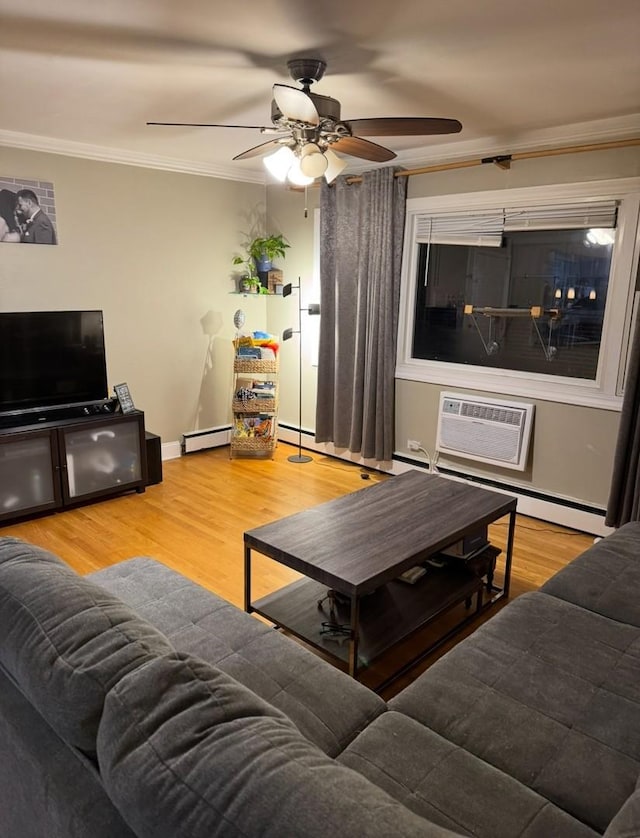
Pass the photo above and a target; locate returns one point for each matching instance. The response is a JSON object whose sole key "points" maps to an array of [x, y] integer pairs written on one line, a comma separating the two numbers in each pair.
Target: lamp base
{"points": [[300, 458]]}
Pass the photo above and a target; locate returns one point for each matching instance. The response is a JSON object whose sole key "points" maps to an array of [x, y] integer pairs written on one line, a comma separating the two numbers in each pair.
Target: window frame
{"points": [[603, 392]]}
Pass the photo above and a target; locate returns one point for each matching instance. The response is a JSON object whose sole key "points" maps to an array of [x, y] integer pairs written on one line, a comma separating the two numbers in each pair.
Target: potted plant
{"points": [[265, 249], [249, 282]]}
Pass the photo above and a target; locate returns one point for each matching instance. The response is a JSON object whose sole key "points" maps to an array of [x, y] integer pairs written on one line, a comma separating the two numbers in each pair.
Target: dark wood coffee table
{"points": [[358, 545]]}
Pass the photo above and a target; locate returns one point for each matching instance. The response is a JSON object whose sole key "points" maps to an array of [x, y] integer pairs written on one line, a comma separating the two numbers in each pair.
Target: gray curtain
{"points": [[624, 494], [361, 229]]}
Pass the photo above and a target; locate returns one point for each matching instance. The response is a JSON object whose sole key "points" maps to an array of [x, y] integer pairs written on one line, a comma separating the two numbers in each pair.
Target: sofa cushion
{"points": [[47, 788], [451, 787], [327, 707], [626, 823], [602, 577], [65, 641], [549, 693], [185, 751]]}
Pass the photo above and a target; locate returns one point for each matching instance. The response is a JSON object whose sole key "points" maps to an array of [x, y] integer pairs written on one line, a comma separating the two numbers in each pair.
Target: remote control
{"points": [[413, 574]]}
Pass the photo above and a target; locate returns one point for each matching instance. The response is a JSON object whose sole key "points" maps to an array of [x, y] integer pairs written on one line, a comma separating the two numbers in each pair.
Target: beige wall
{"points": [[564, 168], [572, 447], [153, 250]]}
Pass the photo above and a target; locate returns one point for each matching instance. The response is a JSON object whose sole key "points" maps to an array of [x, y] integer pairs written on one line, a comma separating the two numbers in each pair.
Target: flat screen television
{"points": [[51, 359]]}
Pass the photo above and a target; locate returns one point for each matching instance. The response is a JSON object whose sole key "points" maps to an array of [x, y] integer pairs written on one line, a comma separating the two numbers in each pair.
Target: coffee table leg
{"points": [[507, 563], [353, 640], [247, 579]]}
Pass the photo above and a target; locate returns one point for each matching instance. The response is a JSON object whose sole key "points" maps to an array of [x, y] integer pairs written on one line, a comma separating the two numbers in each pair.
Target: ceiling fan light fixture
{"points": [[307, 148], [335, 165], [279, 163], [313, 163], [296, 176]]}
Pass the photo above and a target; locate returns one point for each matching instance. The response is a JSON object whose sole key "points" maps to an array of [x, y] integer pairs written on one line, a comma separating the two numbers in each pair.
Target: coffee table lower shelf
{"points": [[387, 616]]}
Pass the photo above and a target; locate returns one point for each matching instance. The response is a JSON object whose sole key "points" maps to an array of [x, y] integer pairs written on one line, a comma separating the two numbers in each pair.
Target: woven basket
{"points": [[254, 406], [255, 365], [253, 444]]}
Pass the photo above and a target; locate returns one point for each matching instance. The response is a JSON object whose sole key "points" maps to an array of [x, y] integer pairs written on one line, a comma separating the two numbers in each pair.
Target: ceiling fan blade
{"points": [[208, 125], [258, 150], [294, 104], [357, 147], [398, 126]]}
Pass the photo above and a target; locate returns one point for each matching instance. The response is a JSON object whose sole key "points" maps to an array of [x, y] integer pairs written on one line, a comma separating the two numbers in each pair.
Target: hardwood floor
{"points": [[195, 519]]}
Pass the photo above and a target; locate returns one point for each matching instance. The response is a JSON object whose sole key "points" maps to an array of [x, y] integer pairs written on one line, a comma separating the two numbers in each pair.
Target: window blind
{"points": [[562, 216], [485, 228]]}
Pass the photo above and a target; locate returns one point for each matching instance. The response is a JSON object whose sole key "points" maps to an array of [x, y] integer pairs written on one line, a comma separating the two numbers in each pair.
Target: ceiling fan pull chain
{"points": [[306, 192]]}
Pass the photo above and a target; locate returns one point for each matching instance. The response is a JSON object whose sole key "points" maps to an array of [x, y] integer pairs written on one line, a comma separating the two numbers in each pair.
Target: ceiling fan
{"points": [[312, 130]]}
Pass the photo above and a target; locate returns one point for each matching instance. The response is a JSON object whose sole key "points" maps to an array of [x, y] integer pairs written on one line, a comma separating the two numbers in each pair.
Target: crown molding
{"points": [[580, 133], [70, 148]]}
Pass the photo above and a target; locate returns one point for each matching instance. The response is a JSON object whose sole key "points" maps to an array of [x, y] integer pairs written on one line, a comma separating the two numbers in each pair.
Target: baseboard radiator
{"points": [[201, 440], [488, 430]]}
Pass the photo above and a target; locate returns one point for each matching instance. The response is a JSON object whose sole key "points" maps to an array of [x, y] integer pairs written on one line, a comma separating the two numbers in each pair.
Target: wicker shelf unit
{"points": [[255, 415]]}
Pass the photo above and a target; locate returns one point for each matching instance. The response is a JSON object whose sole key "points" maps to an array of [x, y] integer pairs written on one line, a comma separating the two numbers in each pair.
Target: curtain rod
{"points": [[504, 161]]}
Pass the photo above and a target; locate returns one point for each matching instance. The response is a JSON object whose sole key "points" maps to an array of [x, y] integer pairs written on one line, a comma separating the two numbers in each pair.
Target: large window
{"points": [[535, 304], [533, 296]]}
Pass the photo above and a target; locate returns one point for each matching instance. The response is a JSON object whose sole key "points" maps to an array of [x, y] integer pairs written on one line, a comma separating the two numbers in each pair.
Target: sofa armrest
{"points": [[604, 577]]}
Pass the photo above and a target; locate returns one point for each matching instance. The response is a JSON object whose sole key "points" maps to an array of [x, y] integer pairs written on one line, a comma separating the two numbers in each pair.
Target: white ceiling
{"points": [[83, 77]]}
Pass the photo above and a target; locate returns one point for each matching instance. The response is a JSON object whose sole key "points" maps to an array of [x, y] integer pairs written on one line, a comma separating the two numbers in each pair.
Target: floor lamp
{"points": [[314, 308]]}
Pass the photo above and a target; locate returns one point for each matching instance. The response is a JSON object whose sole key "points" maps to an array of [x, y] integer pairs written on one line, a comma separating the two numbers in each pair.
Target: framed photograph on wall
{"points": [[124, 398], [27, 211]]}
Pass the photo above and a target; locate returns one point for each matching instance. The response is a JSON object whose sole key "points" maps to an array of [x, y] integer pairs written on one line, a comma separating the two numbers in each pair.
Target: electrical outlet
{"points": [[413, 445]]}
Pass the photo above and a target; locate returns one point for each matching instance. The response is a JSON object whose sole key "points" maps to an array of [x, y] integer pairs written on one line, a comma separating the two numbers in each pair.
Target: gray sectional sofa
{"points": [[135, 703]]}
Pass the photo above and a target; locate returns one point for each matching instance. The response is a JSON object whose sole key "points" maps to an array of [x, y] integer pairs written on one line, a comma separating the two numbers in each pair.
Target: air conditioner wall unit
{"points": [[491, 431]]}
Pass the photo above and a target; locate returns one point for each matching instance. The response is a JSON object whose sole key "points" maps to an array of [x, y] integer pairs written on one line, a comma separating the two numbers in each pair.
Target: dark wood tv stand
{"points": [[52, 465]]}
